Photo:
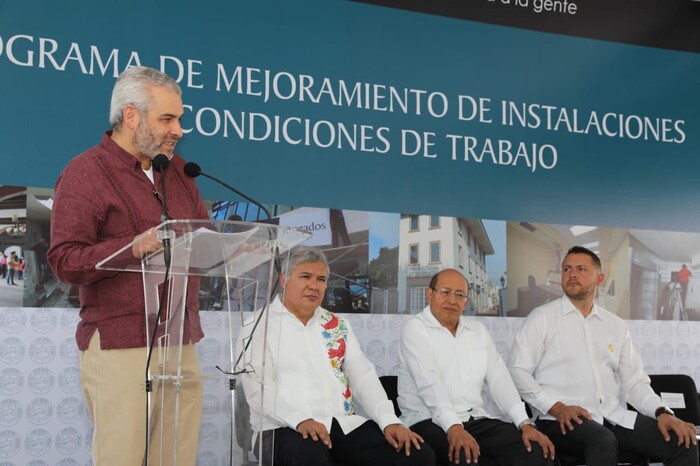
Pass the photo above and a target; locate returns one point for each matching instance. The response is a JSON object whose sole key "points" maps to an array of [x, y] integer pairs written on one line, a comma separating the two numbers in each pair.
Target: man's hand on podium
{"points": [[146, 243]]}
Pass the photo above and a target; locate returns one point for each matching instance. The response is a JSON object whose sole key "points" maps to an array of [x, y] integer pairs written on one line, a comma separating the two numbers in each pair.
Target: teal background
{"points": [[49, 116]]}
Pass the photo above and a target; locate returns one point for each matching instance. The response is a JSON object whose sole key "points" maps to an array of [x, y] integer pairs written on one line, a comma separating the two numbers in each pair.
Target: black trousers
{"points": [[599, 444], [364, 446], [500, 443]]}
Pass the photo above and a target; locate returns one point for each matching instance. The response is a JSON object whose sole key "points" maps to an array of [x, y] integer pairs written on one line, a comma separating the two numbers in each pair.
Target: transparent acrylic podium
{"points": [[240, 261]]}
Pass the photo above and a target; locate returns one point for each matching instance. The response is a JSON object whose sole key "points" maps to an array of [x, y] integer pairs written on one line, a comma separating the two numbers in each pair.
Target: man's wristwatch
{"points": [[663, 410], [526, 422]]}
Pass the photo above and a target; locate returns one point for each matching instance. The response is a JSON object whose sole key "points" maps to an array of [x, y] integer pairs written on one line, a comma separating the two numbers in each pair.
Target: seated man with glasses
{"points": [[444, 361]]}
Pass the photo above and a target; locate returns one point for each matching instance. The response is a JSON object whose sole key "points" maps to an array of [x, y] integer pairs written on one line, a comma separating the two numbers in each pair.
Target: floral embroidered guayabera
{"points": [[335, 333]]}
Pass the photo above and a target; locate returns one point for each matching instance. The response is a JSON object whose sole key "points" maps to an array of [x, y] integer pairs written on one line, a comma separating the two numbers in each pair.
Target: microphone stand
{"points": [[160, 163], [193, 170], [244, 196]]}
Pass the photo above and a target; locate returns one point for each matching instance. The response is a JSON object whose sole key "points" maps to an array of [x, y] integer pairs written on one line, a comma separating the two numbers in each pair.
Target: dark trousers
{"points": [[500, 443], [364, 446], [600, 444]]}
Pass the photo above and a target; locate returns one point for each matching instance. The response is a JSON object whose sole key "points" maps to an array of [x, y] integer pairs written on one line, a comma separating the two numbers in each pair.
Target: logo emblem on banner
{"points": [[208, 435], [69, 410], [376, 351], [683, 352], [648, 351], [68, 441], [42, 350], [68, 351], [10, 443], [666, 352], [37, 442], [395, 326], [394, 350], [69, 320], [39, 411], [10, 412], [11, 381], [376, 326], [209, 350], [211, 322], [12, 350], [12, 320], [357, 322], [69, 380], [211, 406], [41, 380], [43, 320]]}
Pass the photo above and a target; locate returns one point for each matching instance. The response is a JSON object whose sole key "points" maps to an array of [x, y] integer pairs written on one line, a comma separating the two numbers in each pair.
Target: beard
{"points": [[145, 141], [579, 294]]}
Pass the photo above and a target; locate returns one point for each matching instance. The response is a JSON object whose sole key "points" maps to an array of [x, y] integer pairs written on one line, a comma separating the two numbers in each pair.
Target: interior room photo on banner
{"points": [[648, 274]]}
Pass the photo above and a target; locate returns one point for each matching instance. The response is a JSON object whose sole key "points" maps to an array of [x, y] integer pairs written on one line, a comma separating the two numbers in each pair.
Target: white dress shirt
{"points": [[558, 355], [300, 379], [441, 376]]}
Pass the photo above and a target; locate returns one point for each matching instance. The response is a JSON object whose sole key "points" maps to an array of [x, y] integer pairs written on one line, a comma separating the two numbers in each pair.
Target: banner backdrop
{"points": [[547, 114], [352, 105]]}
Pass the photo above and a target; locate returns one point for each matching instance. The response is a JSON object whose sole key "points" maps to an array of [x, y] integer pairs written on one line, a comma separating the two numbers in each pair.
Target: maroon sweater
{"points": [[103, 200]]}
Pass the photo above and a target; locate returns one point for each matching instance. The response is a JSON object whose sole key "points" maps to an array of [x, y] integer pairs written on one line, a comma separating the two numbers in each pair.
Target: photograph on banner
{"points": [[343, 235], [647, 274], [41, 287], [476, 248], [663, 284], [382, 263], [13, 241]]}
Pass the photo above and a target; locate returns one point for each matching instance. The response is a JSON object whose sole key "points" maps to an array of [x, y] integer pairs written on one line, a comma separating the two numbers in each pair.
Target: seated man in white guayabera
{"points": [[315, 372], [576, 365], [444, 361]]}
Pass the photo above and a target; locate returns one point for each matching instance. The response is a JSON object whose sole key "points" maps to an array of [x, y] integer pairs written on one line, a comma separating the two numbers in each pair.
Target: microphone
{"points": [[160, 163], [193, 170]]}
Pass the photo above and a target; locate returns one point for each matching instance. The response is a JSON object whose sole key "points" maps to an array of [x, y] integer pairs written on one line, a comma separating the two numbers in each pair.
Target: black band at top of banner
{"points": [[667, 24]]}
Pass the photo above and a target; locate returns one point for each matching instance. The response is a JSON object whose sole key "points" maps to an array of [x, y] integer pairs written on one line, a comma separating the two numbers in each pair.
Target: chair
{"points": [[244, 431], [679, 384], [390, 384], [625, 458], [660, 383]]}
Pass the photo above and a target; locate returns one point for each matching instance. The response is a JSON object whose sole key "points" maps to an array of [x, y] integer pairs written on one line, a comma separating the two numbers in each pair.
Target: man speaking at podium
{"points": [[105, 198]]}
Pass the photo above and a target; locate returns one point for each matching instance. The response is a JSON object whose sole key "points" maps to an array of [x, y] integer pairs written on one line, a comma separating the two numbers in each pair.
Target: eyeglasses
{"points": [[445, 293]]}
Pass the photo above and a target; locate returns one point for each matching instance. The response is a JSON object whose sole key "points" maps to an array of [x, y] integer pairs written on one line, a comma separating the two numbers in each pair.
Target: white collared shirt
{"points": [[558, 355], [441, 376], [305, 378]]}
